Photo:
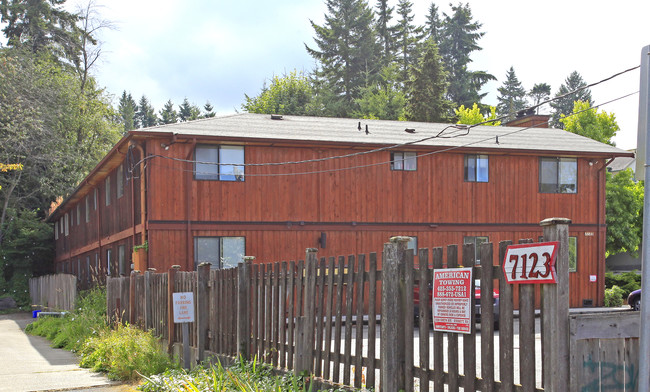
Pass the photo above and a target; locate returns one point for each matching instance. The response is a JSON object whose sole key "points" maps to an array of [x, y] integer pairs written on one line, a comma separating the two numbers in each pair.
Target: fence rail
{"points": [[55, 292], [321, 316]]}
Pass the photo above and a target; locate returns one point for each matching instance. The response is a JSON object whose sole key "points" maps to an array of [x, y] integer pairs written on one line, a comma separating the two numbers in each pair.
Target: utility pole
{"points": [[643, 141]]}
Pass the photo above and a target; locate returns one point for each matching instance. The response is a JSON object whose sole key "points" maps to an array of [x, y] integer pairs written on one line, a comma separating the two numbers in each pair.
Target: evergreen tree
{"points": [[38, 25], [289, 94], [208, 110], [146, 114], [406, 37], [385, 32], [564, 106], [128, 108], [347, 53], [512, 96], [187, 111], [458, 40], [385, 100], [427, 88], [168, 114], [540, 93], [433, 24]]}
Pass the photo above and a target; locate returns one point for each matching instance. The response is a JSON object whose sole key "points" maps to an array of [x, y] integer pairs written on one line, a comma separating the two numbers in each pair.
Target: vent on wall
{"points": [[276, 117], [587, 303]]}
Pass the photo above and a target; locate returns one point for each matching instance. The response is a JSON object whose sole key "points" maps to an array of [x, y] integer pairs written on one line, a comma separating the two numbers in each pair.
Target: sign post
{"points": [[452, 291], [184, 314]]}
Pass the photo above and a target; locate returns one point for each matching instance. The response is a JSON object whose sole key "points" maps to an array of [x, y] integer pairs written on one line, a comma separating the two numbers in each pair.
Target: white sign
{"points": [[183, 307], [451, 300], [530, 263]]}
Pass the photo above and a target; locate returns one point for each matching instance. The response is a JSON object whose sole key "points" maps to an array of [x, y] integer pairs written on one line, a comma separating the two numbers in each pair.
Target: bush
{"points": [[614, 296], [125, 353], [627, 281]]}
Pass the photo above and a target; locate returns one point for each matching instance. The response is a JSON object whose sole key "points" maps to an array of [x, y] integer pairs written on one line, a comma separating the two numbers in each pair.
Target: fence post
{"points": [[202, 307], [393, 312], [171, 278], [555, 310], [147, 301], [304, 358], [243, 302], [132, 311]]}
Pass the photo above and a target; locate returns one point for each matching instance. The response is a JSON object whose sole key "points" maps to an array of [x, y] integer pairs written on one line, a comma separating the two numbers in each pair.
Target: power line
{"points": [[491, 137]]}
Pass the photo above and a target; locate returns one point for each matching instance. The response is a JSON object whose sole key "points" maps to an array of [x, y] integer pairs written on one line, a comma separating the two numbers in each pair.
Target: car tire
{"points": [[636, 304]]}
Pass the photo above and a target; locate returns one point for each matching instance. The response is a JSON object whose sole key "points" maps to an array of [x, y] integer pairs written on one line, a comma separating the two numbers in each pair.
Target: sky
{"points": [[218, 51]]}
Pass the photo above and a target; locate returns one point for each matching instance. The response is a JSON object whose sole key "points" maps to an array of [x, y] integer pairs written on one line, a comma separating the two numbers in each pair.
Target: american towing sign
{"points": [[530, 263], [452, 299]]}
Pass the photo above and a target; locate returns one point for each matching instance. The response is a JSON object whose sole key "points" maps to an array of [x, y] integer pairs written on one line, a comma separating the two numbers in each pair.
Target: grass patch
{"points": [[241, 377]]}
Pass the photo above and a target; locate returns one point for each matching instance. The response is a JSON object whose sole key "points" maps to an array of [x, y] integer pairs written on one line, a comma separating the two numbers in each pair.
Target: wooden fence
{"points": [[321, 316], [605, 352], [54, 292]]}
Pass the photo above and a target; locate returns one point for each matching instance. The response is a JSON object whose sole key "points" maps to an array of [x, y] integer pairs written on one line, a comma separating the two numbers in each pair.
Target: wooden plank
{"points": [[275, 314], [372, 319], [359, 302], [487, 317], [309, 312], [203, 308], [349, 294], [328, 317], [283, 315], [527, 337], [260, 312], [588, 374], [268, 323], [452, 352], [339, 318], [506, 326], [438, 337], [469, 340], [243, 311], [292, 306], [631, 364], [612, 364], [319, 302], [423, 294], [409, 317]]}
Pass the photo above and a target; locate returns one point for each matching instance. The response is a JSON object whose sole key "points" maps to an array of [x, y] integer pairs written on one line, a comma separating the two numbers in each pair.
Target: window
{"points": [[476, 168], [78, 214], [403, 161], [121, 260], [221, 252], [107, 189], [573, 254], [87, 208], [219, 163], [476, 240], [67, 230], [95, 200], [109, 253], [120, 181], [56, 230], [558, 175], [61, 225]]}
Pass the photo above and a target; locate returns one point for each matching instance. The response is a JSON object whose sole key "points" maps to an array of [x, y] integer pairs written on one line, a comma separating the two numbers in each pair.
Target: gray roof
{"points": [[384, 132]]}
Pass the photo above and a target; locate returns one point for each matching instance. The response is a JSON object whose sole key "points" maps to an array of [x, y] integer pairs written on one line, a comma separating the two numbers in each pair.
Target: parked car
{"points": [[477, 302], [634, 299]]}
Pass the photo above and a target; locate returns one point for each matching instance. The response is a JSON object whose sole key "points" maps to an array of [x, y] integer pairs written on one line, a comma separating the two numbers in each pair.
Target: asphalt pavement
{"points": [[28, 363]]}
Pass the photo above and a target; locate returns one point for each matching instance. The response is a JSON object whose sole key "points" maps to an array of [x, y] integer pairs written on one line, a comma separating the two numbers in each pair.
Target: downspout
{"points": [[189, 195], [600, 256]]}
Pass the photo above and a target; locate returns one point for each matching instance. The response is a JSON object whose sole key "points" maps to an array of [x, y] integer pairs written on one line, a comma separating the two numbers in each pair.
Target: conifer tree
{"points": [[433, 24], [540, 93], [460, 35], [187, 111], [146, 115], [564, 106], [347, 54], [427, 88], [168, 115], [128, 108], [385, 32], [512, 96], [208, 110], [406, 37]]}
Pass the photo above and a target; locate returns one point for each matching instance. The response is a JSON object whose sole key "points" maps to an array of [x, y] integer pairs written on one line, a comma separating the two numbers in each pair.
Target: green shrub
{"points": [[627, 281], [614, 296], [125, 353]]}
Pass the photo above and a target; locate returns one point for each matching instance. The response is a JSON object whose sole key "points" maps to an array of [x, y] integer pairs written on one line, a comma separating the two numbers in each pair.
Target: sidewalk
{"points": [[28, 363]]}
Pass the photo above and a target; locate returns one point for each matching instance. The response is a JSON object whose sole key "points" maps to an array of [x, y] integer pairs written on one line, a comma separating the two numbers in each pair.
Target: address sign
{"points": [[530, 263]]}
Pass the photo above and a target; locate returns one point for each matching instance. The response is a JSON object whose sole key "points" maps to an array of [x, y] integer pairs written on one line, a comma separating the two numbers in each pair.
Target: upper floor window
{"points": [[120, 181], [558, 175], [477, 168], [78, 214], [95, 199], [67, 223], [403, 161], [224, 163], [221, 252], [56, 230], [107, 189], [87, 208]]}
